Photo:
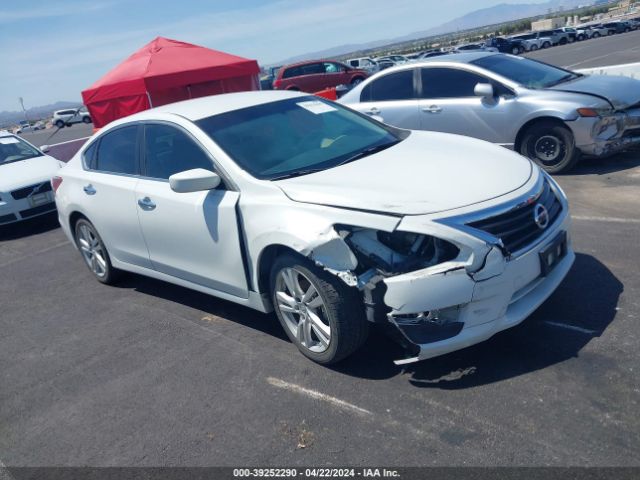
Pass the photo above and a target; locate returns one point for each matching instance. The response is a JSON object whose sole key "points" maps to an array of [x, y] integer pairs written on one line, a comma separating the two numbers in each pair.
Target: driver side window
{"points": [[169, 150]]}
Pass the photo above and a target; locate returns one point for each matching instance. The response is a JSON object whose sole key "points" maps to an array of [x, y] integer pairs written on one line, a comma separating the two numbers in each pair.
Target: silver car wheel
{"points": [[92, 250], [303, 309], [547, 148]]}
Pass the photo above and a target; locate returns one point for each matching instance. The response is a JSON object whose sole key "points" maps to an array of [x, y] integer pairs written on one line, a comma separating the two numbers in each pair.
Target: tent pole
{"points": [[149, 98]]}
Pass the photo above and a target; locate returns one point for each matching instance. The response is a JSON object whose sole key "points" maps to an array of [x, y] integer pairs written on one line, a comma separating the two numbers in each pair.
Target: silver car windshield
{"points": [[14, 149], [524, 71], [297, 136]]}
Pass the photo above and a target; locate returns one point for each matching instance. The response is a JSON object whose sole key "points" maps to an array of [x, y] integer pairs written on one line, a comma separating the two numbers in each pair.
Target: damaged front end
{"points": [[390, 267]]}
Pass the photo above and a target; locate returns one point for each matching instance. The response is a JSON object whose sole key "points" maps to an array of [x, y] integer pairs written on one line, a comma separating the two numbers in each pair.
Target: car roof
{"points": [[466, 57], [198, 108], [306, 62]]}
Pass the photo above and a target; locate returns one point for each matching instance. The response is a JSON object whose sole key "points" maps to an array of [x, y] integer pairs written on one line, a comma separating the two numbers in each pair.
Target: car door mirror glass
{"points": [[196, 180], [484, 90]]}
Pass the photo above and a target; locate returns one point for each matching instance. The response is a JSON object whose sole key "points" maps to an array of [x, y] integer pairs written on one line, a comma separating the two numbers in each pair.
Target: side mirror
{"points": [[196, 180], [45, 148], [484, 90]]}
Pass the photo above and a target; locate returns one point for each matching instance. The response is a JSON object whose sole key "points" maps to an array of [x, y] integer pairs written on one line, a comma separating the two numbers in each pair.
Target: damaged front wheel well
{"points": [[267, 257]]}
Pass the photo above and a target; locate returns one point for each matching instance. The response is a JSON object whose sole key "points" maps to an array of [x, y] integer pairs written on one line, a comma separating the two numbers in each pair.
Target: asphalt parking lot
{"points": [[597, 52], [146, 373]]}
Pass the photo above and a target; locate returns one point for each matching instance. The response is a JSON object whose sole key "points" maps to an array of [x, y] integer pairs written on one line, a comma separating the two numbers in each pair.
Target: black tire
{"points": [[356, 81], [551, 145], [515, 50], [86, 119], [563, 41], [342, 309], [59, 124], [111, 274], [534, 47], [595, 35], [546, 45]]}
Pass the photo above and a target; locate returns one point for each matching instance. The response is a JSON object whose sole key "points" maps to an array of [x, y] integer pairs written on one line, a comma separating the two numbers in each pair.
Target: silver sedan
{"points": [[548, 114]]}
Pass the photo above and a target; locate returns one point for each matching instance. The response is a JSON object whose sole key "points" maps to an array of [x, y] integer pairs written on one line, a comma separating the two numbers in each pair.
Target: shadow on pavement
{"points": [[201, 301], [26, 228], [601, 166], [586, 299]]}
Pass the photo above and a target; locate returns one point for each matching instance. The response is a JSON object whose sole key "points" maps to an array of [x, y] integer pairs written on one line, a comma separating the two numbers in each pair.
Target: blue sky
{"points": [[51, 50]]}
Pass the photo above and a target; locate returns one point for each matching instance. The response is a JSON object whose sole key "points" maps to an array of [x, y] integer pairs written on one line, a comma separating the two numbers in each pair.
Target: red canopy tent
{"points": [[166, 71]]}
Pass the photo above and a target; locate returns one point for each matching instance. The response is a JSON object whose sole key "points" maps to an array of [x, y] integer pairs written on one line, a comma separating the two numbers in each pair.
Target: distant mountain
{"points": [[34, 113], [503, 12]]}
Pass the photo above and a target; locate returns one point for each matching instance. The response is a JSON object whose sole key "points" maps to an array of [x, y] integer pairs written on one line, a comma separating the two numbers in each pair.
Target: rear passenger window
{"points": [[117, 151], [394, 86], [89, 156], [169, 150]]}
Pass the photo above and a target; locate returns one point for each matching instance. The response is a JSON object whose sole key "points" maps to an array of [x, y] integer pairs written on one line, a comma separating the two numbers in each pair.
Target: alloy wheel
{"points": [[303, 309], [92, 250]]}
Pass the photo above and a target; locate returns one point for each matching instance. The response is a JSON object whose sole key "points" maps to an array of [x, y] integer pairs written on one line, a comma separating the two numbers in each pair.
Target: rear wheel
{"points": [[551, 145], [534, 47], [321, 315], [86, 119], [94, 252], [356, 81], [59, 123], [546, 44], [515, 50], [595, 35]]}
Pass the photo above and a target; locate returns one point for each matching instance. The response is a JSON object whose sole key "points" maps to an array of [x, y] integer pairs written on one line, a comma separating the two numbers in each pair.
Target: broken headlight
{"points": [[398, 252]]}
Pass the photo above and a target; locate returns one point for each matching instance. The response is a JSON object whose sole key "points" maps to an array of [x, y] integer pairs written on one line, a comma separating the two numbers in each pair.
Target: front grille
{"points": [[26, 191], [32, 212], [517, 228], [7, 218]]}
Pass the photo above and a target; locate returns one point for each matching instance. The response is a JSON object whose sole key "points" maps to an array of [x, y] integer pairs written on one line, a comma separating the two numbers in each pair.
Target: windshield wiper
{"points": [[367, 152], [297, 173], [565, 78]]}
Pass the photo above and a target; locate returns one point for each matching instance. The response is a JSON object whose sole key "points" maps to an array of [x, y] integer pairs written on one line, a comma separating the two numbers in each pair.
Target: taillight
{"points": [[55, 183], [276, 84]]}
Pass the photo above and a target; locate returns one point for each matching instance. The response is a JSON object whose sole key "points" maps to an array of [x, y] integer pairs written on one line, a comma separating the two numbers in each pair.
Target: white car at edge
{"points": [[285, 201], [25, 180]]}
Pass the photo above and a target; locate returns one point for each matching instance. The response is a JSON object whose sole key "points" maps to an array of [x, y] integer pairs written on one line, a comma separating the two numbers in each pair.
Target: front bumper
{"points": [[605, 136], [476, 309], [12, 211]]}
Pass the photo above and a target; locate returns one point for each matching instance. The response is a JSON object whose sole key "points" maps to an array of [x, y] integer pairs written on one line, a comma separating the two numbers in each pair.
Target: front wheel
{"points": [[534, 47], [94, 252], [321, 315], [515, 50], [551, 146]]}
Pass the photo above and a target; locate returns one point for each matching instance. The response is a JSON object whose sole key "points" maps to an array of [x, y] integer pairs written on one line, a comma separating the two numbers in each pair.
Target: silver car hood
{"points": [[621, 92], [426, 173]]}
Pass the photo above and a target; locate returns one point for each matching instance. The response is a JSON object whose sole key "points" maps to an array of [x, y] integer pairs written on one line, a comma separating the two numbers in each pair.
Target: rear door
{"points": [[191, 236], [109, 193], [448, 104], [393, 97]]}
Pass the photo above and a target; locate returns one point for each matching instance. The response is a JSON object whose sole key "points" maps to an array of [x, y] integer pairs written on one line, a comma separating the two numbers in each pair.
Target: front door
{"points": [[192, 236], [448, 104]]}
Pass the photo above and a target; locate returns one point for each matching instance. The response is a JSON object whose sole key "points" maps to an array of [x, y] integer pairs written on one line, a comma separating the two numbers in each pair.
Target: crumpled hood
{"points": [[622, 92], [427, 172], [20, 174]]}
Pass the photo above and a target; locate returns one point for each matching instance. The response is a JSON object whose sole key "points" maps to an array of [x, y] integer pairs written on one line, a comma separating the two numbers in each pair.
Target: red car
{"points": [[316, 75]]}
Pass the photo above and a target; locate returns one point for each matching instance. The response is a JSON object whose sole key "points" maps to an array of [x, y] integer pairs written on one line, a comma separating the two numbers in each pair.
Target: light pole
{"points": [[23, 109]]}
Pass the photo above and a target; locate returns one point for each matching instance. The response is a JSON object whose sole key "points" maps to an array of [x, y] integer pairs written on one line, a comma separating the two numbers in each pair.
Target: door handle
{"points": [[373, 111], [146, 203], [89, 190], [432, 109]]}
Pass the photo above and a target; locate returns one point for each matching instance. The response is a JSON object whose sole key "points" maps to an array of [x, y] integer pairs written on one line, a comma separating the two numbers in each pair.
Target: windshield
{"points": [[13, 149], [296, 136], [528, 73]]}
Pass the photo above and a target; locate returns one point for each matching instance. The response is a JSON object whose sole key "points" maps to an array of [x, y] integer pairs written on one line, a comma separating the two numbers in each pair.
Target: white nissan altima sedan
{"points": [[25, 180], [285, 201]]}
